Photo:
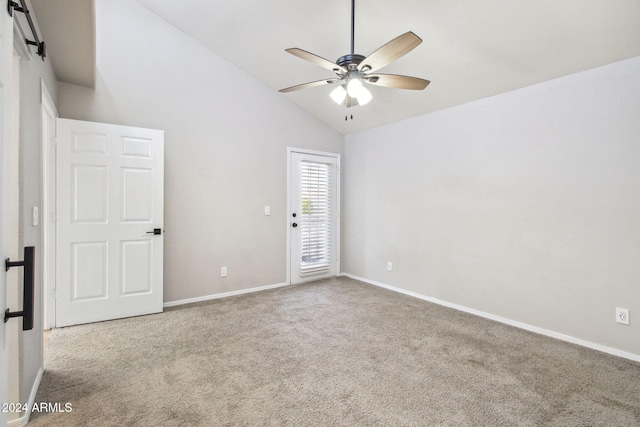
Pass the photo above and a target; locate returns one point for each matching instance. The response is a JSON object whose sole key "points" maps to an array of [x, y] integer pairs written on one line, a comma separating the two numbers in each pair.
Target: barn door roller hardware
{"points": [[27, 290], [21, 7]]}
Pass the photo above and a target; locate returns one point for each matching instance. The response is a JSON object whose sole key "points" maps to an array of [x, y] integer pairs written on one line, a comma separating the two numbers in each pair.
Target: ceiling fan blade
{"points": [[318, 60], [391, 51], [396, 81], [308, 85]]}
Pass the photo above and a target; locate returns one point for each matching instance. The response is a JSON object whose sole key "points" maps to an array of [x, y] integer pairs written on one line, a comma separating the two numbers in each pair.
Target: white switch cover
{"points": [[223, 271], [267, 210], [35, 216], [389, 266]]}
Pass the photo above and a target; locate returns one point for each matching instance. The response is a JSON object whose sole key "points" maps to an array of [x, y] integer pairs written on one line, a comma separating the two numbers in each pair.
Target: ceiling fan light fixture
{"points": [[353, 70], [338, 94]]}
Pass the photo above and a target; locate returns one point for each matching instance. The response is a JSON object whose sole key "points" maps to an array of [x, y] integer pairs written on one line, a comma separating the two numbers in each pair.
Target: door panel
{"points": [[89, 271], [136, 267], [89, 194], [110, 198], [137, 195], [314, 216]]}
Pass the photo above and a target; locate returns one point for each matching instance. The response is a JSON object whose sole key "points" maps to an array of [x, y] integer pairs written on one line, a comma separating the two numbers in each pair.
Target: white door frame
{"points": [[290, 151], [48, 207]]}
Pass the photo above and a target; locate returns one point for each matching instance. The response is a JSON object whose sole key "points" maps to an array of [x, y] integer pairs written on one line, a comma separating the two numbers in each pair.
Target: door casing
{"points": [[48, 207]]}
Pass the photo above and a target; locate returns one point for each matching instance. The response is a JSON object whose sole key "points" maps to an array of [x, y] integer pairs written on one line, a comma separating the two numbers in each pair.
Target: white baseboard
{"points": [[18, 422], [525, 326], [222, 295], [24, 419]]}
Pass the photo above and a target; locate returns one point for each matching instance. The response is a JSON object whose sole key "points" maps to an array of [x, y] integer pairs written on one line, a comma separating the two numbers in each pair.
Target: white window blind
{"points": [[315, 218]]}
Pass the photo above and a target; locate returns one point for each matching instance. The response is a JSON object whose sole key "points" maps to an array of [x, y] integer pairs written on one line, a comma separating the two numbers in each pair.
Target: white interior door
{"points": [[313, 215], [6, 63], [109, 202]]}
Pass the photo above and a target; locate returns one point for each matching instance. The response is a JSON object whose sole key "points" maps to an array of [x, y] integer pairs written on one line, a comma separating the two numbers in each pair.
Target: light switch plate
{"points": [[267, 210], [35, 216]]}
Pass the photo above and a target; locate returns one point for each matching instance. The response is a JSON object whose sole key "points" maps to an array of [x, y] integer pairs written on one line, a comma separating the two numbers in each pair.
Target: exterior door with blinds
{"points": [[313, 215]]}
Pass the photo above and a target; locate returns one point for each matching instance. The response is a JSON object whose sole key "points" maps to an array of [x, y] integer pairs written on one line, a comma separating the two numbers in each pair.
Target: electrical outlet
{"points": [[622, 315], [389, 266], [267, 210], [223, 271]]}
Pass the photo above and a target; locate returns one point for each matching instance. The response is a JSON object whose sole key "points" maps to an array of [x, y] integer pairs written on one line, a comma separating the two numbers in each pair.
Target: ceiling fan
{"points": [[354, 69]]}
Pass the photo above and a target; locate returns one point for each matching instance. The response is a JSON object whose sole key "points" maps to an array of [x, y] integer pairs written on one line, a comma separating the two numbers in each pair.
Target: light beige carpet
{"points": [[331, 353]]}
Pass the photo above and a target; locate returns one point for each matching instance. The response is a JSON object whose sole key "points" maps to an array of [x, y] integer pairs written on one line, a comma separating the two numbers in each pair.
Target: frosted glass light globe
{"points": [[364, 96], [338, 95], [354, 87]]}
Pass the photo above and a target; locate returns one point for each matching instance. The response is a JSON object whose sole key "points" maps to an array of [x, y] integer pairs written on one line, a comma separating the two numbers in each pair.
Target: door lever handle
{"points": [[155, 231]]}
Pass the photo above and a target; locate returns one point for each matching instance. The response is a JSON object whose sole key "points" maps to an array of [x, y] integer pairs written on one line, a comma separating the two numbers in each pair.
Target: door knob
{"points": [[294, 215], [294, 225]]}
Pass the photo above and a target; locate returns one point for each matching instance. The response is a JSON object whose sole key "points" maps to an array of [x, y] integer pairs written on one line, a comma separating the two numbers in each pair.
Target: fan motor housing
{"points": [[350, 59]]}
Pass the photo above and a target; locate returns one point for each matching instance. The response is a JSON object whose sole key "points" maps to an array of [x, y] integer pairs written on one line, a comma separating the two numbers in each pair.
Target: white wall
{"points": [[226, 136], [525, 205]]}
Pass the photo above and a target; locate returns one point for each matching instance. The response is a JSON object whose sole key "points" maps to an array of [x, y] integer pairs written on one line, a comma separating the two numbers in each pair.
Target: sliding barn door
{"points": [[109, 222], [6, 70], [313, 216]]}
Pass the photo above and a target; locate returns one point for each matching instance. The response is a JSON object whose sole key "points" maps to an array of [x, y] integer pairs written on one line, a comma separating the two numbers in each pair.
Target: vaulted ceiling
{"points": [[471, 49]]}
